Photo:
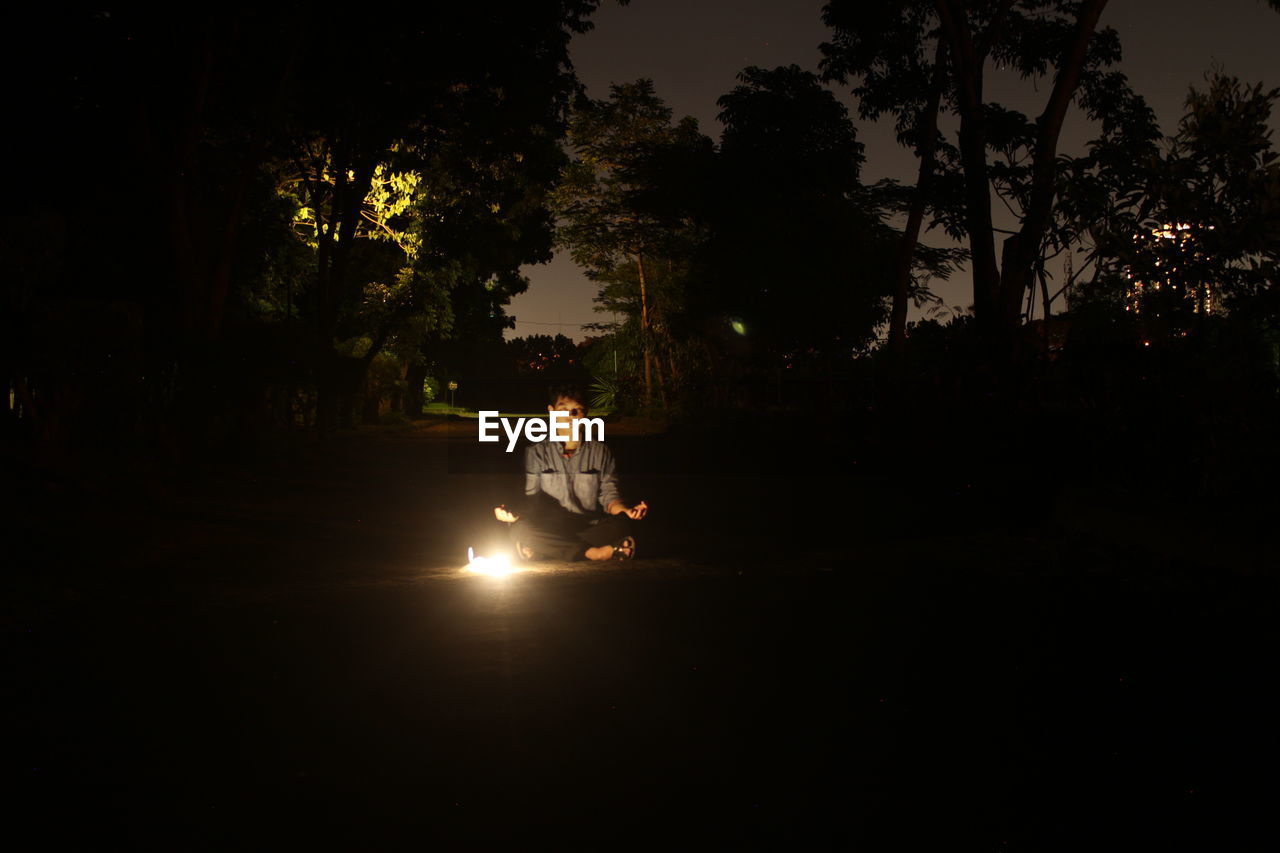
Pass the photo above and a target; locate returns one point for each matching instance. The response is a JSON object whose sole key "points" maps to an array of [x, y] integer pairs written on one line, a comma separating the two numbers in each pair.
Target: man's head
{"points": [[568, 398]]}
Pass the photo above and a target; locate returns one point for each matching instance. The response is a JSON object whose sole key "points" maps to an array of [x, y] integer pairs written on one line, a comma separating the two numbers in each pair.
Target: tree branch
{"points": [[995, 29], [1019, 256], [1049, 124]]}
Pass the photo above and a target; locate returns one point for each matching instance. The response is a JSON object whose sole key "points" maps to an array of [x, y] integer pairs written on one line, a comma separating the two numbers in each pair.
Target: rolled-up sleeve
{"points": [[532, 480], [532, 471], [609, 489]]}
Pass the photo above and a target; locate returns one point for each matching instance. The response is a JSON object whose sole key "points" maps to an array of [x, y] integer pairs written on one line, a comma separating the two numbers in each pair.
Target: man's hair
{"points": [[569, 390]]}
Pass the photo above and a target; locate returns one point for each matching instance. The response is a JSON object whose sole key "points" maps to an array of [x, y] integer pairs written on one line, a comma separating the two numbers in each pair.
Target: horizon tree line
{"points": [[250, 244]]}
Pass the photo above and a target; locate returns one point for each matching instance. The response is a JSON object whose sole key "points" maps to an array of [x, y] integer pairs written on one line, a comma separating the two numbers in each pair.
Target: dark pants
{"points": [[554, 533]]}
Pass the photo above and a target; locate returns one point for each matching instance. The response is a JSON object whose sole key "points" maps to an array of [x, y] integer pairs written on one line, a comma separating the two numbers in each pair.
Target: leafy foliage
{"points": [[1199, 216], [793, 227]]}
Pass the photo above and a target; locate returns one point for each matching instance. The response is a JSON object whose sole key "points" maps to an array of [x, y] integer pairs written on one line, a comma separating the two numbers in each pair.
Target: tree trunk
{"points": [[967, 62], [415, 375], [673, 369], [645, 333], [371, 413], [1023, 250], [326, 369], [332, 410], [927, 145], [400, 391], [661, 381], [220, 277], [1044, 299], [998, 292]]}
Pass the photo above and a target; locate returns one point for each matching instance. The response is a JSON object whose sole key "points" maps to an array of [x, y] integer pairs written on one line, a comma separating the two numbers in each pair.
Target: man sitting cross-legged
{"points": [[573, 508]]}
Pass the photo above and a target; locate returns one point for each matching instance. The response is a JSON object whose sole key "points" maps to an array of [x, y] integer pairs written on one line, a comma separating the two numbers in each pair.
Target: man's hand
{"points": [[635, 513], [503, 514]]}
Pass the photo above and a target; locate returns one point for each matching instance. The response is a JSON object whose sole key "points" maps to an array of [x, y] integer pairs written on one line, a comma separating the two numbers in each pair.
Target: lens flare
{"points": [[498, 566]]}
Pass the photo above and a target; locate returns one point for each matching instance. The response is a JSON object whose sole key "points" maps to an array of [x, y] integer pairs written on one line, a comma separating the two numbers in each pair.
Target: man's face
{"points": [[575, 408]]}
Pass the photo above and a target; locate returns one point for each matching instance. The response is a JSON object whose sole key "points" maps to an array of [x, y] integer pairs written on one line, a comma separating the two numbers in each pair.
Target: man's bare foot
{"points": [[622, 551]]}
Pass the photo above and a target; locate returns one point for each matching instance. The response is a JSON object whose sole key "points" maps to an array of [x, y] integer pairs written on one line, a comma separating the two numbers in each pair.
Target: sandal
{"points": [[628, 542]]}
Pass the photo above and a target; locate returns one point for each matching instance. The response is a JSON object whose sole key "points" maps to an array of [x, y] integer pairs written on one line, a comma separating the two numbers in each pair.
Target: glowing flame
{"points": [[497, 566]]}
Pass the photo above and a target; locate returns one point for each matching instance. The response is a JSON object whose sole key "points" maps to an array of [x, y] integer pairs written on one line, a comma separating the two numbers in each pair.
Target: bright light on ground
{"points": [[498, 566]]}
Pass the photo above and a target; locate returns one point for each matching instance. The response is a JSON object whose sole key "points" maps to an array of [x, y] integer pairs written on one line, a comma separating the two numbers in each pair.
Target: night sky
{"points": [[693, 50]]}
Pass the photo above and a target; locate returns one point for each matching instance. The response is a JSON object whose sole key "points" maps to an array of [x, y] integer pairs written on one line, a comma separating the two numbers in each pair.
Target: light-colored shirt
{"points": [[585, 483]]}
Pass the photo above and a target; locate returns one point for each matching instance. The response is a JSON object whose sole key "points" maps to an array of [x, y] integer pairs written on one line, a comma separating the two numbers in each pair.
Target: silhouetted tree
{"points": [[455, 117], [799, 251], [409, 147], [1184, 229], [543, 353], [618, 220], [1222, 180], [899, 52]]}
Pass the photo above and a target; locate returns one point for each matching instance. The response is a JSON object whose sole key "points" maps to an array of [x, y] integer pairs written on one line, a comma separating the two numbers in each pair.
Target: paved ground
{"points": [[292, 654]]}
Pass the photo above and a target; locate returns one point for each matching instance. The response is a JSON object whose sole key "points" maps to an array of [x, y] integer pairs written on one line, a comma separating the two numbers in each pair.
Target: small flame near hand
{"points": [[498, 566]]}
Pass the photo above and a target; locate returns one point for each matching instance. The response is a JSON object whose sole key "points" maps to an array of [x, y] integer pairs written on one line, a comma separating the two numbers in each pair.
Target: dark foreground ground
{"points": [[288, 655]]}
